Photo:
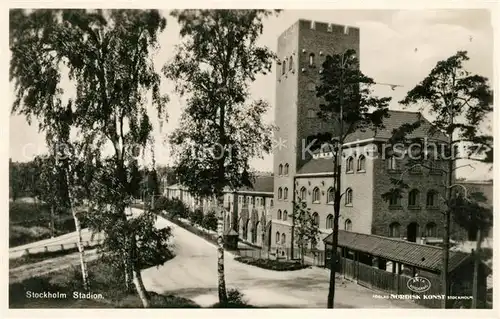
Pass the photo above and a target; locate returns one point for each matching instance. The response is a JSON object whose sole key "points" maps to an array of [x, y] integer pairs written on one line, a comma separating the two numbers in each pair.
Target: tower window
{"points": [[348, 196], [303, 194], [286, 169], [315, 219], [413, 198], [329, 221], [285, 215], [290, 63], [311, 59], [283, 67], [394, 230], [280, 169], [349, 165], [285, 193], [361, 163], [280, 193], [279, 214], [331, 195]]}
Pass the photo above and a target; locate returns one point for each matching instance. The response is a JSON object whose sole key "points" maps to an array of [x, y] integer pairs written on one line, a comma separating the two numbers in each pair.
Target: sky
{"points": [[397, 47]]}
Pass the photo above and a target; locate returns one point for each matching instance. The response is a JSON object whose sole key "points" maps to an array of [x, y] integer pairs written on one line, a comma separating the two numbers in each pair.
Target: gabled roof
{"points": [[264, 184], [394, 121], [413, 254]]}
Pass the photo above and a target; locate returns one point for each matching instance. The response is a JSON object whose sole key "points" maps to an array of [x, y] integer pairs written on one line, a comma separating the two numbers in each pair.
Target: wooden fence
{"points": [[382, 280]]}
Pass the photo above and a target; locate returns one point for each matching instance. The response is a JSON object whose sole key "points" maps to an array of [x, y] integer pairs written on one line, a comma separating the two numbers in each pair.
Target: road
{"points": [[193, 274]]}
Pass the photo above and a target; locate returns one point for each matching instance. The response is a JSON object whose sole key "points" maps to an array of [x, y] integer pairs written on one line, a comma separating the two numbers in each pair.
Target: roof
{"points": [[320, 165], [264, 184], [394, 121], [413, 254]]}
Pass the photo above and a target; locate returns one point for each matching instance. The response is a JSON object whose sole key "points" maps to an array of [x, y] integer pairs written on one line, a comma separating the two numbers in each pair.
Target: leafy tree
{"points": [[107, 55], [306, 230], [220, 128], [460, 103], [347, 100], [210, 221]]}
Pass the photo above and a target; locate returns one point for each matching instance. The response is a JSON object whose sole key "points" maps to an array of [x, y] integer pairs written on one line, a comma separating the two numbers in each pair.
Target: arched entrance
{"points": [[412, 232], [258, 234]]}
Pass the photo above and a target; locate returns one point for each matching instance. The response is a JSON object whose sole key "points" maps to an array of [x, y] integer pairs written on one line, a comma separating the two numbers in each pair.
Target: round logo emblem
{"points": [[418, 284]]}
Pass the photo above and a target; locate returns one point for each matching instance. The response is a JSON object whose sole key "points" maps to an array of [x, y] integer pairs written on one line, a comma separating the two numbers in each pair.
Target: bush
{"points": [[271, 264], [235, 299], [196, 217], [210, 221], [177, 208]]}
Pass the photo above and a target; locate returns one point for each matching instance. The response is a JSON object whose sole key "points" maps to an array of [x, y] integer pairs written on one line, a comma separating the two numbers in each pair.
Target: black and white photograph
{"points": [[250, 158]]}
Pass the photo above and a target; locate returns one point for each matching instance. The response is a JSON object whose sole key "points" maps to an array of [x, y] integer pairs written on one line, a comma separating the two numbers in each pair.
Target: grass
{"points": [[37, 257], [104, 280], [271, 264]]}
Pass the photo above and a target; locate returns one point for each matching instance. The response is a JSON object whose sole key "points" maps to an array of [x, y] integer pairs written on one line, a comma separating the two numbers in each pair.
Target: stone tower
{"points": [[301, 50]]}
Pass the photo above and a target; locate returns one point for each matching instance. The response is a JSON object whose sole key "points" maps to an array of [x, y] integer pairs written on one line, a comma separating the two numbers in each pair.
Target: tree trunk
{"points": [[81, 250], [335, 233], [447, 221], [136, 273], [220, 254], [477, 259], [52, 222]]}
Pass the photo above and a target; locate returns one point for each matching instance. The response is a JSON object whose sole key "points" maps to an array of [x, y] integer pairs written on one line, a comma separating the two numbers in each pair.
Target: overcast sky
{"points": [[398, 47]]}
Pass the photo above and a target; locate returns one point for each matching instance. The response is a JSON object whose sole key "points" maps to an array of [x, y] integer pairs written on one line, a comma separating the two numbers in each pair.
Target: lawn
{"points": [[272, 264], [29, 222], [104, 281]]}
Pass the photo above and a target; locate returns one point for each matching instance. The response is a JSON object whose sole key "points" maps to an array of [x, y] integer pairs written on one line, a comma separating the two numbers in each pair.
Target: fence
{"points": [[379, 279], [311, 257], [53, 248]]}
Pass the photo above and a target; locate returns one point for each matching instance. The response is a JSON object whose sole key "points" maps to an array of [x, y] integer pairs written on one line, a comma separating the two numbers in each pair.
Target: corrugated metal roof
{"points": [[413, 254]]}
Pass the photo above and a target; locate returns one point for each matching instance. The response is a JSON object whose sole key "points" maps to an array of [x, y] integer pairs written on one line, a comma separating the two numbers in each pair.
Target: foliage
{"points": [[306, 230], [272, 264], [235, 299], [196, 217], [472, 213], [210, 220], [213, 68]]}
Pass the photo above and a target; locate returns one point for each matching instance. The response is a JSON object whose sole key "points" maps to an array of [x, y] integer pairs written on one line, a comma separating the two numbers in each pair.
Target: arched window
{"points": [[348, 225], [330, 195], [431, 198], [361, 163], [394, 200], [280, 193], [303, 194], [290, 63], [348, 196], [285, 195], [392, 163], [280, 169], [311, 59], [285, 215], [431, 230], [349, 164], [413, 198], [311, 113], [283, 238], [286, 169], [329, 221], [283, 67], [394, 230], [279, 214], [316, 195], [277, 237], [315, 218]]}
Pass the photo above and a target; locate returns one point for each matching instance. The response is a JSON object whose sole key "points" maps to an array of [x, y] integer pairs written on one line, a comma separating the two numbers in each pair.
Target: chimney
{"points": [[423, 240]]}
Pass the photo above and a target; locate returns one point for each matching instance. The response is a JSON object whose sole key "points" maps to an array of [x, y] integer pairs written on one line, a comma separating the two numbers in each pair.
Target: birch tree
{"points": [[221, 127]]}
